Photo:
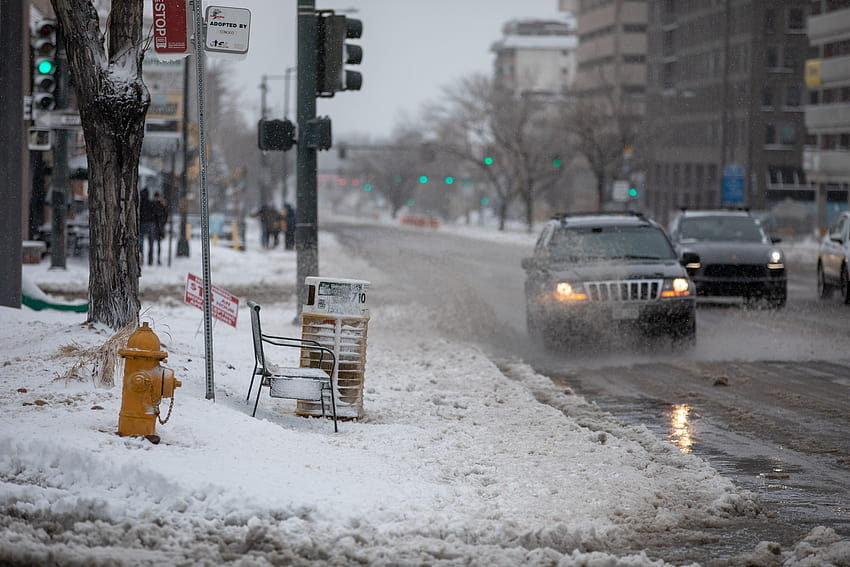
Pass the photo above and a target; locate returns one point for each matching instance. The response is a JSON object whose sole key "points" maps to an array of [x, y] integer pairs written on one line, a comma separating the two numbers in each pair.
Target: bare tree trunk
{"points": [[113, 101]]}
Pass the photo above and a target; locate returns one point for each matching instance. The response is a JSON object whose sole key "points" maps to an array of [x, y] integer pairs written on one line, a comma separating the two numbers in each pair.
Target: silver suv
{"points": [[834, 259], [595, 274]]}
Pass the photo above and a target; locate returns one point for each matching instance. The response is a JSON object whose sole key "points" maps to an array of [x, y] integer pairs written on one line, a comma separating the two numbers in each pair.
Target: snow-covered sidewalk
{"points": [[457, 461]]}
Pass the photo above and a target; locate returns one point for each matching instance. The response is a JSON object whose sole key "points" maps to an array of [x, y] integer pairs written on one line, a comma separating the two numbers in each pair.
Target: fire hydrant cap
{"points": [[143, 343]]}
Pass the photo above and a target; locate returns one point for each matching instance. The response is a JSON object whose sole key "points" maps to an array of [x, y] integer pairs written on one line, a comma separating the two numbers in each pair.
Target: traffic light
{"points": [[44, 66], [633, 192], [332, 53], [276, 135]]}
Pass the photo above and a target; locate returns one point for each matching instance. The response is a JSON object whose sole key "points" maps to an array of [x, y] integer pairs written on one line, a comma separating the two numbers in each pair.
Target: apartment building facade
{"points": [[827, 110], [724, 121]]}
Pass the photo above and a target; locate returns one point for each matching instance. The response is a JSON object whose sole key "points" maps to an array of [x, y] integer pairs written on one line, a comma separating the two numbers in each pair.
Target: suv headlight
{"points": [[567, 292], [775, 260], [676, 287]]}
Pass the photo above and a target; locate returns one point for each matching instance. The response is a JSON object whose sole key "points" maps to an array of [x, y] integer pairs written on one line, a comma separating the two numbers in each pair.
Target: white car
{"points": [[834, 259]]}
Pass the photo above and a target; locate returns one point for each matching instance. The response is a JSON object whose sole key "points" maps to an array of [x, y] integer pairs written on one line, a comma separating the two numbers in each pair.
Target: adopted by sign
{"points": [[228, 30], [225, 305]]}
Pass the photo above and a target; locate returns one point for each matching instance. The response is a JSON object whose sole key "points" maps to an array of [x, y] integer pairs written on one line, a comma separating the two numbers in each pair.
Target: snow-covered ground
{"points": [[455, 462]]}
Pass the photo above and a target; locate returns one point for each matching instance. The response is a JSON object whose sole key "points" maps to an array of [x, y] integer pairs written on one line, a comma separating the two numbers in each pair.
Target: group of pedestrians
{"points": [[153, 214], [274, 223]]}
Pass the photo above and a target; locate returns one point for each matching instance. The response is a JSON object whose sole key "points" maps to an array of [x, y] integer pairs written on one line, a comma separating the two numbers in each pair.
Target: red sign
{"points": [[170, 34], [225, 305]]}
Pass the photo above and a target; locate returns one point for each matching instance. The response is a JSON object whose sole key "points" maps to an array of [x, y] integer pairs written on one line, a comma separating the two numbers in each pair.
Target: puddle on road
{"points": [[799, 496]]}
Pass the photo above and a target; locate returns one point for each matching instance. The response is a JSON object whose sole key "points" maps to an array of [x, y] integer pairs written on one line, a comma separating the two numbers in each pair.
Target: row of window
{"points": [[629, 58], [826, 6], [829, 141], [835, 95], [795, 20], [792, 96]]}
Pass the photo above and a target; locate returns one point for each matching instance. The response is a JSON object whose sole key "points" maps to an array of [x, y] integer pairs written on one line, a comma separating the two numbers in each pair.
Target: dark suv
{"points": [[737, 258], [592, 274]]}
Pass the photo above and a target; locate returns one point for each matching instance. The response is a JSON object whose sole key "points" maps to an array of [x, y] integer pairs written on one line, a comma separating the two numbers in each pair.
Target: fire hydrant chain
{"points": [[168, 416], [170, 405]]}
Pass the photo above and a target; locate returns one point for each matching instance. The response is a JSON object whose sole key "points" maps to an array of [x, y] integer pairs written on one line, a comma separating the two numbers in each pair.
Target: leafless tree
{"points": [[113, 100], [476, 120], [603, 129]]}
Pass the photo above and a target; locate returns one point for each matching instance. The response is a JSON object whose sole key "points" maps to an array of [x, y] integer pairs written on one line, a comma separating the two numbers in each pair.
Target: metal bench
{"points": [[290, 382]]}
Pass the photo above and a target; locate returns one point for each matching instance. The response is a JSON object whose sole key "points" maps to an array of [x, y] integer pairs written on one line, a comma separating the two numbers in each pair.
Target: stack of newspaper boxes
{"points": [[336, 316]]}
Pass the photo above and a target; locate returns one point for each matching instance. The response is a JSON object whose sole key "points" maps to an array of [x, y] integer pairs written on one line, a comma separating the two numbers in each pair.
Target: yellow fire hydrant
{"points": [[145, 384]]}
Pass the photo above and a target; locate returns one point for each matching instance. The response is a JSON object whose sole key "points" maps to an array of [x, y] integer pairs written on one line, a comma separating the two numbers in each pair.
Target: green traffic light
{"points": [[485, 201], [556, 162], [450, 180], [632, 192], [423, 179], [488, 161], [410, 202], [46, 66], [367, 187]]}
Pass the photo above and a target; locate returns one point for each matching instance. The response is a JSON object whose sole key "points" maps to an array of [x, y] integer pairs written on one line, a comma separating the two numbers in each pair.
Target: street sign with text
{"points": [[170, 26], [228, 30]]}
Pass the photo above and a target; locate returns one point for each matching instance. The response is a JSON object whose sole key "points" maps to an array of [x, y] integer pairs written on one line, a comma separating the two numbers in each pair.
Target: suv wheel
{"points": [[824, 289]]}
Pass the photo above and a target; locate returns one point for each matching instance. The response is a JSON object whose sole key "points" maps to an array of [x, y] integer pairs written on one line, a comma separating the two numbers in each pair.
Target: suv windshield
{"points": [[582, 244], [730, 229]]}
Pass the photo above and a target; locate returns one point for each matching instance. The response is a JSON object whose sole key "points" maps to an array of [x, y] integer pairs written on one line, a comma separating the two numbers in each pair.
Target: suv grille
{"points": [[624, 290], [735, 271]]}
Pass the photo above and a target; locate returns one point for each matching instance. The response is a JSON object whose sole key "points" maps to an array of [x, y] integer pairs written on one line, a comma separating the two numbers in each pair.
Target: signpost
{"points": [[733, 184]]}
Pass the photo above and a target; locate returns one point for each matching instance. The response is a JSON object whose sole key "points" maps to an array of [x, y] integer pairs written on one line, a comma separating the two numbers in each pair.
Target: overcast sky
{"points": [[411, 49]]}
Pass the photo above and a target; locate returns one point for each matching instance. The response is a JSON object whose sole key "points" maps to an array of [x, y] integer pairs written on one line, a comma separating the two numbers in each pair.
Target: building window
{"points": [[844, 141], [792, 96], [772, 57], [796, 21], [788, 135], [767, 96], [769, 21], [770, 134], [791, 57], [814, 97]]}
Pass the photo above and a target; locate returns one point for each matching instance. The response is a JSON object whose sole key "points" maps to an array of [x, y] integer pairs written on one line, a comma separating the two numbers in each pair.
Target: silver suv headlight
{"points": [[775, 261]]}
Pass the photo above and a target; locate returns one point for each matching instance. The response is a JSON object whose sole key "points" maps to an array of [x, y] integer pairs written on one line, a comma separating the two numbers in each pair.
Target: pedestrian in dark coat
{"points": [[160, 214], [147, 226], [289, 238]]}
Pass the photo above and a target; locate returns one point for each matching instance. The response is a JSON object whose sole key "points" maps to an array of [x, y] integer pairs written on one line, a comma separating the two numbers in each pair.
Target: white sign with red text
{"points": [[225, 305]]}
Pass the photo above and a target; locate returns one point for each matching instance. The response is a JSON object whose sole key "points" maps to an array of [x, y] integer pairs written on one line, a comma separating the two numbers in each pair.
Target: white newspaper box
{"points": [[336, 315]]}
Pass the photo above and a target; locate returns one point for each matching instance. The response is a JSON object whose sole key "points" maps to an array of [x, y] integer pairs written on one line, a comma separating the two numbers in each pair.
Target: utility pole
{"points": [[14, 44], [306, 223]]}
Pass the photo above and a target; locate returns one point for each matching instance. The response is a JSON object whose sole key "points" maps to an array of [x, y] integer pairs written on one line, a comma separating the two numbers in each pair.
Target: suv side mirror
{"points": [[775, 239], [690, 259], [528, 263]]}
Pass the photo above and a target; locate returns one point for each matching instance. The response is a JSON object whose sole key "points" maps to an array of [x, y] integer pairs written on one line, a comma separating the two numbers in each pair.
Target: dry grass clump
{"points": [[98, 363]]}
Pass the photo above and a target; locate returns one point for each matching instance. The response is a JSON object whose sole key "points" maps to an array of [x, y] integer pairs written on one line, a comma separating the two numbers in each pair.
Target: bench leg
{"points": [[257, 401], [253, 374], [333, 406]]}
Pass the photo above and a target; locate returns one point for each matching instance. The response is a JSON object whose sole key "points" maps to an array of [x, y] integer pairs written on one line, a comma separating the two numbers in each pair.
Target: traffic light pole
{"points": [[60, 197], [306, 220]]}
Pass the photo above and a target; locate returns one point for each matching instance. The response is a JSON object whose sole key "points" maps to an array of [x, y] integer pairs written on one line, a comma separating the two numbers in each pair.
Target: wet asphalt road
{"points": [[764, 396]]}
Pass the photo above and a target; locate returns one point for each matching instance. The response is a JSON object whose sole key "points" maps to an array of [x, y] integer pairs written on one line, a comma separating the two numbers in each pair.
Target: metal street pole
{"points": [[183, 241], [306, 219], [14, 44], [287, 77]]}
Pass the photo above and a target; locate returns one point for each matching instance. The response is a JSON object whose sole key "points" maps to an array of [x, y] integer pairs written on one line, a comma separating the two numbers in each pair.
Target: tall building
{"points": [[828, 109], [611, 82], [536, 57], [611, 52], [724, 116]]}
